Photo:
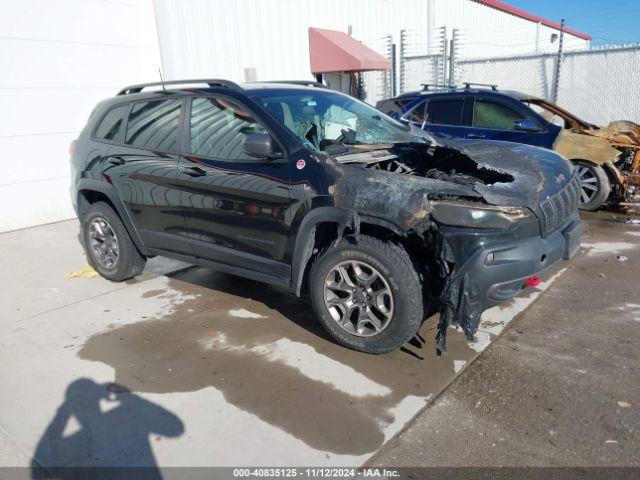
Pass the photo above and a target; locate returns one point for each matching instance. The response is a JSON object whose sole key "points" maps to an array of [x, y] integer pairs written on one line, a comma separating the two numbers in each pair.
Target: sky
{"points": [[607, 22]]}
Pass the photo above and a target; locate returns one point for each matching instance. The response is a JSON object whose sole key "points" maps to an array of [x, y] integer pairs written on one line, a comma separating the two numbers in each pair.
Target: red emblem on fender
{"points": [[300, 164]]}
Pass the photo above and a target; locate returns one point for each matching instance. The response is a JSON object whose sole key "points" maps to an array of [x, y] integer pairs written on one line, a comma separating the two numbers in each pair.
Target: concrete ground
{"points": [[560, 387], [183, 366]]}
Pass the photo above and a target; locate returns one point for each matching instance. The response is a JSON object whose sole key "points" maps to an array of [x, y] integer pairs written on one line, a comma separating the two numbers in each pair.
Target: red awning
{"points": [[332, 51]]}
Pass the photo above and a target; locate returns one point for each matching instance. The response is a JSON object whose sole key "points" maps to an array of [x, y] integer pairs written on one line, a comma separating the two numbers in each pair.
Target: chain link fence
{"points": [[422, 58], [377, 85], [597, 84]]}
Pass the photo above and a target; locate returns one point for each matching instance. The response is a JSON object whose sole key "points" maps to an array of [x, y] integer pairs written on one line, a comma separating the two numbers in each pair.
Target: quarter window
{"points": [[153, 125], [397, 106], [444, 112], [218, 127], [417, 114], [494, 115], [111, 124]]}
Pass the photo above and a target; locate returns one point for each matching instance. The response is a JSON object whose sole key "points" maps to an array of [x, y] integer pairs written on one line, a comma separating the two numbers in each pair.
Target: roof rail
{"points": [[304, 83], [212, 82], [427, 86], [468, 85]]}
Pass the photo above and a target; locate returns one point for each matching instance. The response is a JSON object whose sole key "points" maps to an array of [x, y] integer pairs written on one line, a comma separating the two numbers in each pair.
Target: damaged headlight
{"points": [[473, 215]]}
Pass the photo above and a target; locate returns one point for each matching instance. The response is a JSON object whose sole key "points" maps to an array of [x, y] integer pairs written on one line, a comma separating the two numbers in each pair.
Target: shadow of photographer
{"points": [[100, 430]]}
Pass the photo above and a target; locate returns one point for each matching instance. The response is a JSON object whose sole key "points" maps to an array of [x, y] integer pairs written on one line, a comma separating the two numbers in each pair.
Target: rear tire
{"points": [[109, 248], [367, 296], [595, 185]]}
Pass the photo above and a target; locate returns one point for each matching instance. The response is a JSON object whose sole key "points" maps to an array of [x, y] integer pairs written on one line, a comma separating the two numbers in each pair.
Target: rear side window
{"points": [[494, 115], [395, 107], [444, 112], [218, 127], [153, 125], [111, 124]]}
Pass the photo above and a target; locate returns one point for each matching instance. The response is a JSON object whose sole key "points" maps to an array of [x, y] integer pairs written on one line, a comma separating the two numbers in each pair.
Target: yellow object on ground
{"points": [[85, 272]]}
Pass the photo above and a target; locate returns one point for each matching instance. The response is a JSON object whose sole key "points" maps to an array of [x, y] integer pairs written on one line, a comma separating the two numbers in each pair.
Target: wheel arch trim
{"points": [[109, 191]]}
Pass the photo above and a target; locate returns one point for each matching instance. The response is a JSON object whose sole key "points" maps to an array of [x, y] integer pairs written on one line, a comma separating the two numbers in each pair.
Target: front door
{"points": [[143, 169], [234, 204], [496, 120]]}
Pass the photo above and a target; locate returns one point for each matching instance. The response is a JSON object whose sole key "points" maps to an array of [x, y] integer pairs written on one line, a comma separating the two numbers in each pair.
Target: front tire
{"points": [[367, 296], [109, 248], [595, 186]]}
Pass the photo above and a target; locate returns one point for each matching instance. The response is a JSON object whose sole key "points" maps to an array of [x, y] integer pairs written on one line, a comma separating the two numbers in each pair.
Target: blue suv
{"points": [[489, 114]]}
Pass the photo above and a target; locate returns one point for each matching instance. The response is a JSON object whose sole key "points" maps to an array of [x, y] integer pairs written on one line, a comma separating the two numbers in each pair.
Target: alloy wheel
{"points": [[103, 243], [359, 298], [588, 184]]}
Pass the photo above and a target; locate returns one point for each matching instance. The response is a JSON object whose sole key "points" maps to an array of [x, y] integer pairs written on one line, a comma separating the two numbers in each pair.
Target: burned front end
{"points": [[615, 146], [490, 214]]}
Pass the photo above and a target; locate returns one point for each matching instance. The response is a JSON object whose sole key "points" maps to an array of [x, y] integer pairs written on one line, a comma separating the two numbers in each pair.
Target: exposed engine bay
{"points": [[447, 165]]}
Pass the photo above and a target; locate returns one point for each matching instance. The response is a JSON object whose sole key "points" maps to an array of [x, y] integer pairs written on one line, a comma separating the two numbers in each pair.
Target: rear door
{"points": [[234, 204], [143, 169], [441, 116], [495, 119]]}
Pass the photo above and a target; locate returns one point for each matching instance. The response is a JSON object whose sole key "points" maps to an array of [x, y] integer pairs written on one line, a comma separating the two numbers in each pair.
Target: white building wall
{"points": [[201, 38], [58, 59]]}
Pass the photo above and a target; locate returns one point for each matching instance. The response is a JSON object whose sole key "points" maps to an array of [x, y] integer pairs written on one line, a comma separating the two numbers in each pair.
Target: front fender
{"points": [[305, 238]]}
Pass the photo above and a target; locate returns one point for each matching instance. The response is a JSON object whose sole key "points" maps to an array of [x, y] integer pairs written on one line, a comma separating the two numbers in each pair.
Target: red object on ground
{"points": [[532, 281], [333, 51]]}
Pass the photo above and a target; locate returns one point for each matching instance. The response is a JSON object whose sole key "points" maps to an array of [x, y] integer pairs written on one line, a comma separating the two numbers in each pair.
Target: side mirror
{"points": [[260, 145], [527, 125]]}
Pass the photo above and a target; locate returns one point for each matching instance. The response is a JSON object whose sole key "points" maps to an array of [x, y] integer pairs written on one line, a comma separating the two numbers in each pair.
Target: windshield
{"points": [[323, 118]]}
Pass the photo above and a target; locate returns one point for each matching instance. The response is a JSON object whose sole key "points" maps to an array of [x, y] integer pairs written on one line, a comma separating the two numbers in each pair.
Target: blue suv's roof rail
{"points": [[427, 86], [467, 85], [211, 82]]}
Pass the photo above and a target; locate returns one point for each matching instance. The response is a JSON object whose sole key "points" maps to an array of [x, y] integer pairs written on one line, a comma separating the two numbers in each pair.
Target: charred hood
{"points": [[397, 182], [536, 172]]}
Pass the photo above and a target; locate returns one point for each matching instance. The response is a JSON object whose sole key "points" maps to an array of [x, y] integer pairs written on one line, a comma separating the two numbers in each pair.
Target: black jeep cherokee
{"points": [[313, 190]]}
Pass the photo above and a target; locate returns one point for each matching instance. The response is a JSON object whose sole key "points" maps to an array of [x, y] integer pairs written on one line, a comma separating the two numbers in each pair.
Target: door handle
{"points": [[115, 160], [192, 171], [475, 135]]}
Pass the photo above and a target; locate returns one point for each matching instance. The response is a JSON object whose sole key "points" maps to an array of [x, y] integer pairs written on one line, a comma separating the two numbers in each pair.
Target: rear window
{"points": [[396, 107], [153, 125], [445, 112], [111, 124]]}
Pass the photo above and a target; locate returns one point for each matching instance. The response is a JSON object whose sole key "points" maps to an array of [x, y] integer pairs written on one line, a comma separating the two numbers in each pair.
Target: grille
{"points": [[560, 206]]}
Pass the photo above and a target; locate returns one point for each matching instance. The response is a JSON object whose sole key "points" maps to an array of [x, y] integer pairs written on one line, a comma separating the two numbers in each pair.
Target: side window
{"points": [[218, 126], [153, 125], [417, 115], [488, 114], [111, 123], [445, 112]]}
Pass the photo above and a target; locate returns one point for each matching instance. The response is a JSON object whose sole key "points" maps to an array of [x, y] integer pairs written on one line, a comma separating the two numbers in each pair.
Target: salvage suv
{"points": [[319, 193]]}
